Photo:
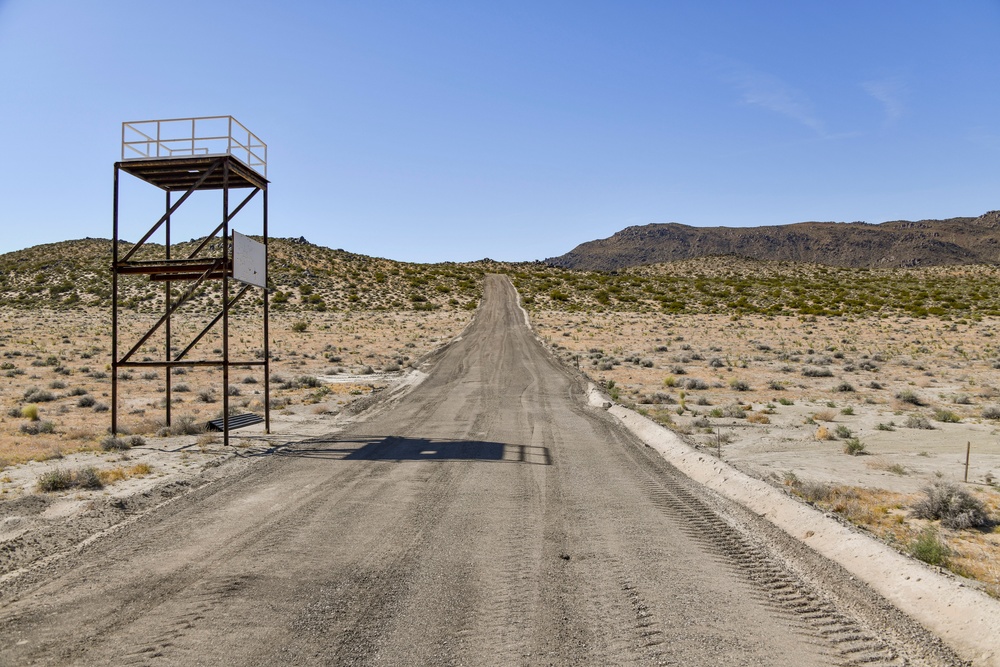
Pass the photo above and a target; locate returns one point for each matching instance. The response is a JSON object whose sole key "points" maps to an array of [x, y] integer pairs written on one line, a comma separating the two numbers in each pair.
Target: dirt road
{"points": [[489, 517]]}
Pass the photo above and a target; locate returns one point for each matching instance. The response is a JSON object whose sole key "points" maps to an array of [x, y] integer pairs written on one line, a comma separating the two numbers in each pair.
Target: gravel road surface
{"points": [[489, 516]]}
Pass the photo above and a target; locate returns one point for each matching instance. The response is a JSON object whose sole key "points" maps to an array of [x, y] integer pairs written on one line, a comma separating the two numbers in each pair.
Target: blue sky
{"points": [[430, 131]]}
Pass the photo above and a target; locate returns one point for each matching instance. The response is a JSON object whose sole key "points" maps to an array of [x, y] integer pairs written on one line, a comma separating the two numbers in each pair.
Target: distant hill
{"points": [[898, 244], [304, 277]]}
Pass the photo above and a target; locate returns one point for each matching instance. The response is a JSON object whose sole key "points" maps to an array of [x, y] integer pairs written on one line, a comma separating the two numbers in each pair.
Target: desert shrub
{"points": [[917, 421], [844, 387], [695, 384], [842, 431], [946, 416], [929, 548], [991, 412], [87, 478], [249, 380], [815, 492], [734, 411], [77, 391], [36, 395], [955, 507], [364, 370], [14, 412], [885, 427], [786, 401], [823, 433], [758, 418], [86, 402], [101, 407], [60, 480], [300, 326], [125, 376], [183, 425], [29, 412], [181, 388], [874, 385], [739, 385], [909, 396], [854, 447], [678, 370], [136, 441], [57, 384], [233, 390], [113, 444], [716, 363], [55, 480], [206, 396], [150, 375], [962, 399], [847, 411], [775, 385], [814, 372]]}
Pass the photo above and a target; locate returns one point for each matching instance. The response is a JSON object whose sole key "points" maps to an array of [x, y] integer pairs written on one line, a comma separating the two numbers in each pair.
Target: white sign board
{"points": [[249, 260]]}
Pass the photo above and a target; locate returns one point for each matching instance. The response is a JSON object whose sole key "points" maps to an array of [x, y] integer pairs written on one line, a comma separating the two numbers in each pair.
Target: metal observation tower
{"points": [[181, 157]]}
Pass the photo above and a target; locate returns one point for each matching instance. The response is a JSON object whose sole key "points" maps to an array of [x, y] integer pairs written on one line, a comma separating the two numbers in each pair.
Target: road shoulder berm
{"points": [[966, 619]]}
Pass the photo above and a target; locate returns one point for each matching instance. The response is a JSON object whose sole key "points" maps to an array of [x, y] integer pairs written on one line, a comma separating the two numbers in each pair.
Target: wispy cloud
{"points": [[769, 92], [889, 93]]}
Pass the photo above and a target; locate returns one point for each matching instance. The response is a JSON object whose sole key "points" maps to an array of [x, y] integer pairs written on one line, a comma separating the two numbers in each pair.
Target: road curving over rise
{"points": [[488, 516]]}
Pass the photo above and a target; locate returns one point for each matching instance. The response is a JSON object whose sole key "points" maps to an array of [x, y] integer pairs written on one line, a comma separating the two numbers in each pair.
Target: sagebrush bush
{"points": [[929, 548], [854, 447], [111, 443], [908, 396], [946, 416], [916, 421], [955, 507], [55, 480], [60, 480], [991, 412], [36, 395]]}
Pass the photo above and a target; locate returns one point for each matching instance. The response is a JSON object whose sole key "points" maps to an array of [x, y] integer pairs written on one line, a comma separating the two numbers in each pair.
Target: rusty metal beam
{"points": [[149, 334], [208, 327], [188, 363]]}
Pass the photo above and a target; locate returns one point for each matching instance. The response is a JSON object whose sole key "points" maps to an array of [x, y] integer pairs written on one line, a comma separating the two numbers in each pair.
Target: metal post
{"points": [[267, 345], [166, 306], [968, 450], [114, 310], [225, 304]]}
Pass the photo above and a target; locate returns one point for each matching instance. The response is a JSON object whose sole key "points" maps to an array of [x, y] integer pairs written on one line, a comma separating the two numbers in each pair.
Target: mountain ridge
{"points": [[893, 244]]}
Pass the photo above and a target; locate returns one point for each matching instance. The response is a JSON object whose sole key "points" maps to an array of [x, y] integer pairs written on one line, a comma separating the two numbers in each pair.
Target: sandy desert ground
{"points": [[783, 398], [780, 397]]}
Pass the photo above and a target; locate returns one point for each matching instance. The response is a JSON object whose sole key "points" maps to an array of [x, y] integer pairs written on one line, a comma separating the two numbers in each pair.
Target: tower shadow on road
{"points": [[397, 448]]}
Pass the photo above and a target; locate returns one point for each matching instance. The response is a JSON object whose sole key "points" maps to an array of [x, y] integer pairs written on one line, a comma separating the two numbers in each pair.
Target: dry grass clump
{"points": [[119, 473], [825, 416], [823, 434]]}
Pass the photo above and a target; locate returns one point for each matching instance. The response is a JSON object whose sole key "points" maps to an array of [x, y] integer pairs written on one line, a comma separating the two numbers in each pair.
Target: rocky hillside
{"points": [[898, 244], [304, 277]]}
